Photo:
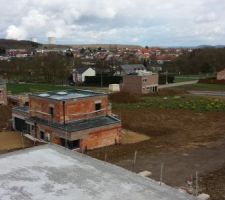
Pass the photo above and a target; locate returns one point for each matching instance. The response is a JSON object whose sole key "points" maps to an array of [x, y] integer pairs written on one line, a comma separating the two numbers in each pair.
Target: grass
{"points": [[204, 87], [16, 88], [198, 104], [183, 78]]}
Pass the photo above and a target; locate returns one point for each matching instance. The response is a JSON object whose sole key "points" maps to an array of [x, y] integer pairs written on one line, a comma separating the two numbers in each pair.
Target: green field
{"points": [[203, 87], [16, 88], [199, 104], [184, 78]]}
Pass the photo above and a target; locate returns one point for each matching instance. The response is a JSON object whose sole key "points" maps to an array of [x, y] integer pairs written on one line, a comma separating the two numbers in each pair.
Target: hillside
{"points": [[17, 44], [105, 46]]}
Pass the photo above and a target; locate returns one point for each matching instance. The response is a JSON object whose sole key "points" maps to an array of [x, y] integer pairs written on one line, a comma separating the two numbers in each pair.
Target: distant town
{"points": [[116, 121]]}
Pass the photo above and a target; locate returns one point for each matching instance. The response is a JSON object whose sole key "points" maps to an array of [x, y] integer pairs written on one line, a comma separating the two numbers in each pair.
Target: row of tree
{"points": [[51, 68], [207, 60]]}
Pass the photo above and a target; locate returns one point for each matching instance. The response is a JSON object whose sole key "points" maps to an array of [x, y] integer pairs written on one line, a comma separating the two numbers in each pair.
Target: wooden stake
{"points": [[196, 184], [105, 156], [22, 140], [161, 173], [135, 158]]}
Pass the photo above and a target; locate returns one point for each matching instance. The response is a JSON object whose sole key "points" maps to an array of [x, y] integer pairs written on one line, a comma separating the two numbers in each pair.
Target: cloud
{"points": [[108, 21], [14, 32]]}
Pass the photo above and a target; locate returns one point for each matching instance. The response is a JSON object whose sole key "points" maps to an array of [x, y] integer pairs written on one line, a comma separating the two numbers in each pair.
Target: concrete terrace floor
{"points": [[51, 172]]}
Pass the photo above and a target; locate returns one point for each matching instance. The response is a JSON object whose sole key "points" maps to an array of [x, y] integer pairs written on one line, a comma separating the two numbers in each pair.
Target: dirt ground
{"points": [[130, 137], [11, 141], [5, 116], [184, 141], [214, 184]]}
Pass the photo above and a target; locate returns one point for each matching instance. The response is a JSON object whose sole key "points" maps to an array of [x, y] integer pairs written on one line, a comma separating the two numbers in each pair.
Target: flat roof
{"points": [[52, 172], [67, 94], [79, 125]]}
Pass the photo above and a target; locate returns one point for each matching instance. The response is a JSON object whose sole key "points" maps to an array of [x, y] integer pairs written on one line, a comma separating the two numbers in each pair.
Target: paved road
{"points": [[178, 84], [207, 93]]}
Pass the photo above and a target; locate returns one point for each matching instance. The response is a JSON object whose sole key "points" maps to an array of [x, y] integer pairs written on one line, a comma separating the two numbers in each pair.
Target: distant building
{"points": [[19, 53], [3, 93], [221, 75], [80, 73], [130, 69], [142, 83], [51, 40], [75, 119]]}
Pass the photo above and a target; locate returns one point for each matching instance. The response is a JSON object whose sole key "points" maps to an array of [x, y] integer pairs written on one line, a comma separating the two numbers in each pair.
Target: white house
{"points": [[80, 73]]}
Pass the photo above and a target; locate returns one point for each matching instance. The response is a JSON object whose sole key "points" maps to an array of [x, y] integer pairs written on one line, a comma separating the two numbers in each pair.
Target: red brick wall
{"points": [[85, 108], [74, 109], [101, 139]]}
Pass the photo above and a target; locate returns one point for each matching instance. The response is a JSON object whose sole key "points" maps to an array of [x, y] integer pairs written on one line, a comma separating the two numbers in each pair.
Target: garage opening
{"points": [[70, 144], [20, 124]]}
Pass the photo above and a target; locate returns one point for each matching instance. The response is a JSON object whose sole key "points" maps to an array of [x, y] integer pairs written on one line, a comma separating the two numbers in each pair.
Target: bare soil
{"points": [[5, 116], [184, 141], [11, 141], [130, 137]]}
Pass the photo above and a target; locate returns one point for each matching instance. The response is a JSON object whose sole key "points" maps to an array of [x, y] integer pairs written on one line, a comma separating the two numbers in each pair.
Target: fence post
{"points": [[135, 158], [161, 173]]}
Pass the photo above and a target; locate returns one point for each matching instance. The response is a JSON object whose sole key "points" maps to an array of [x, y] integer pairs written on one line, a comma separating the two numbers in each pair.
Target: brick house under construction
{"points": [[75, 119]]}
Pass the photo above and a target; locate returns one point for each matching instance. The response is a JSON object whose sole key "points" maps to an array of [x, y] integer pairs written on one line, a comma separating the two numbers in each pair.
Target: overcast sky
{"points": [[145, 22]]}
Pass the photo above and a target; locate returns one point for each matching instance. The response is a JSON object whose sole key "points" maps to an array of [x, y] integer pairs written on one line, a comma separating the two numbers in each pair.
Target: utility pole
{"points": [[101, 79], [66, 144], [166, 77]]}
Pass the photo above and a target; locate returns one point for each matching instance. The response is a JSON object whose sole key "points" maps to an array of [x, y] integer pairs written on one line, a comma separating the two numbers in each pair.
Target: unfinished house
{"points": [[140, 83], [3, 93], [75, 119]]}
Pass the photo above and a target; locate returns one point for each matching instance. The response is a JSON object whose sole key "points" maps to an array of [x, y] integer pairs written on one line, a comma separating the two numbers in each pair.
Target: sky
{"points": [[143, 22]]}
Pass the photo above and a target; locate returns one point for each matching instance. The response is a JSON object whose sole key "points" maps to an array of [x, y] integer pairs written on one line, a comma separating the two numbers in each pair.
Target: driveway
{"points": [[178, 84]]}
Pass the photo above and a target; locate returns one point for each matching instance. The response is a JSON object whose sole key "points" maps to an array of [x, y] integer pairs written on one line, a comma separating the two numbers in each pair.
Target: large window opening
{"points": [[42, 135], [98, 106], [51, 111], [70, 144]]}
